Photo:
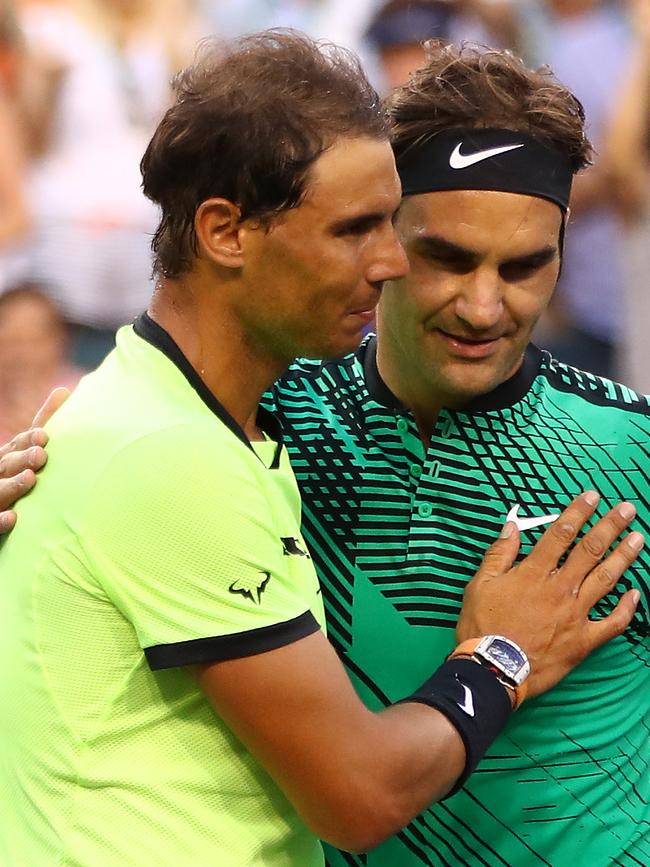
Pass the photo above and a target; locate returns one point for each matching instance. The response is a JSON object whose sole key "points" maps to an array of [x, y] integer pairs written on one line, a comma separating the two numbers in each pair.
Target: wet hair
{"points": [[463, 86], [248, 121]]}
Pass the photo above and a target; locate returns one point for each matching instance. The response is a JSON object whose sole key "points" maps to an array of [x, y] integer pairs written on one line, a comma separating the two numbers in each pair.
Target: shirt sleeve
{"points": [[186, 541]]}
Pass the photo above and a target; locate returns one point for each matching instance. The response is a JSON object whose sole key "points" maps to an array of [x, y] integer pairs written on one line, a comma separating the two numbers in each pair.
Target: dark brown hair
{"points": [[248, 121], [465, 86]]}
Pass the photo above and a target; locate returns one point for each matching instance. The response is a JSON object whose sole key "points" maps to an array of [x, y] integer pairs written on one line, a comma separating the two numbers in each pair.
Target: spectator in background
{"points": [[628, 146], [398, 30], [586, 43], [14, 217], [336, 20], [33, 355], [110, 62]]}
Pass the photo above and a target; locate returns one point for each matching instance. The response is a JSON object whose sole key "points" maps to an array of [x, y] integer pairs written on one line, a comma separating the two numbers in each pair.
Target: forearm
{"points": [[354, 776], [626, 141], [14, 218], [376, 772]]}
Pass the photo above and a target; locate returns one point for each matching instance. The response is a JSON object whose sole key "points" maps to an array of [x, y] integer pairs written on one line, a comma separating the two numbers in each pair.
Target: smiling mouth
{"points": [[470, 340], [469, 347]]}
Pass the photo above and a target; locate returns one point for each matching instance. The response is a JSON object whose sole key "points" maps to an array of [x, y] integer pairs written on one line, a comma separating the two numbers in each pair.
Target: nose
{"points": [[388, 260], [480, 302]]}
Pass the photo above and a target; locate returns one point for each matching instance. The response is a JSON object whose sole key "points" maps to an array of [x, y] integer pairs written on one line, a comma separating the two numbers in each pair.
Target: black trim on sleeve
{"points": [[201, 651], [149, 330]]}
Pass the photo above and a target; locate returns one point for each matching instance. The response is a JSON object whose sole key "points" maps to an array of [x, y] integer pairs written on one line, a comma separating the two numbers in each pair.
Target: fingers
{"points": [[7, 522], [13, 463], [14, 488], [559, 537], [24, 440], [604, 577], [500, 556], [602, 631], [55, 400], [594, 545]]}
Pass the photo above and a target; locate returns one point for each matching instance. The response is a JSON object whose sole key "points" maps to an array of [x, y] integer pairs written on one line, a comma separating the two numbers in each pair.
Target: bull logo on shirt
{"points": [[251, 587], [291, 545]]}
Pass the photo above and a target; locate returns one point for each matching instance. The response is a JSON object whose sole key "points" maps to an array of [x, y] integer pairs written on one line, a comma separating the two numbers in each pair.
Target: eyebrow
{"points": [[435, 245], [366, 217]]}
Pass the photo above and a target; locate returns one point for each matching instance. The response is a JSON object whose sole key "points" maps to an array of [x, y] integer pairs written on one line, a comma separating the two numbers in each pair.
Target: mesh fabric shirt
{"points": [[159, 538], [397, 532]]}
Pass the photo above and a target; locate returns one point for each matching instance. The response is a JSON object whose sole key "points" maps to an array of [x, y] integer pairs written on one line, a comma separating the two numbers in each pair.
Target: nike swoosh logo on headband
{"points": [[461, 161]]}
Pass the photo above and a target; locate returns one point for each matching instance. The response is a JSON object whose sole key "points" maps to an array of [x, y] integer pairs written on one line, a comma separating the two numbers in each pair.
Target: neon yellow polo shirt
{"points": [[158, 538]]}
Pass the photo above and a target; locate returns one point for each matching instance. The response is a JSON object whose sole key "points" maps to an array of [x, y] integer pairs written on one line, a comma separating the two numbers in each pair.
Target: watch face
{"points": [[505, 655]]}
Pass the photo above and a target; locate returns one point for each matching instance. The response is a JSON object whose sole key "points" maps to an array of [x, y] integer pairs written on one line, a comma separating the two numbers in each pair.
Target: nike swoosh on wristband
{"points": [[463, 161], [529, 523], [468, 701]]}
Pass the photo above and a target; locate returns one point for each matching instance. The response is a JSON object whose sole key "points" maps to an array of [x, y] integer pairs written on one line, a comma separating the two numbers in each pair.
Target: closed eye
{"points": [[454, 264], [358, 227], [522, 269], [363, 224]]}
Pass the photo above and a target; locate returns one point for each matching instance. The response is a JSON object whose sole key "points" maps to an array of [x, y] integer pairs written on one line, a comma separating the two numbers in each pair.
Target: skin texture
{"points": [[483, 268], [257, 297], [323, 264]]}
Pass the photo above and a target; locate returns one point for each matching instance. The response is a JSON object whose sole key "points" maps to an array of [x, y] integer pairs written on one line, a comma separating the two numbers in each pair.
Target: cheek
{"points": [[396, 305], [430, 289], [527, 301]]}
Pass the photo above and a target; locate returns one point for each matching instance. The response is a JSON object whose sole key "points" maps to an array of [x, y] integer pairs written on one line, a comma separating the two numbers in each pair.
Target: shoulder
{"points": [[312, 381], [193, 454], [592, 395]]}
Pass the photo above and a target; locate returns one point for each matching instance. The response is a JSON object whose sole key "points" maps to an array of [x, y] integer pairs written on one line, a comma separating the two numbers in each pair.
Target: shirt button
{"points": [[402, 425], [416, 471], [425, 510], [446, 428]]}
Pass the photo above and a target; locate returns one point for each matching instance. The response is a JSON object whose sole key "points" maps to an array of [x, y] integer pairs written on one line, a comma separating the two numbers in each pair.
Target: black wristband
{"points": [[473, 700]]}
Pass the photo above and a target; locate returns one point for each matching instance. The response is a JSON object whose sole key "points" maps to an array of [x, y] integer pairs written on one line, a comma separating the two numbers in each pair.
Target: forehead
{"points": [[485, 221], [353, 176]]}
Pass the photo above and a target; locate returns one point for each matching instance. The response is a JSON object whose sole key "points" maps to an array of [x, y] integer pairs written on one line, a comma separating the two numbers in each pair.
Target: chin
{"points": [[468, 383], [331, 349]]}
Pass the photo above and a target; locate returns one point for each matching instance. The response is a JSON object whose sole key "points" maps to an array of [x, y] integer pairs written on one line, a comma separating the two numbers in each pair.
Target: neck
{"points": [[216, 344], [403, 379]]}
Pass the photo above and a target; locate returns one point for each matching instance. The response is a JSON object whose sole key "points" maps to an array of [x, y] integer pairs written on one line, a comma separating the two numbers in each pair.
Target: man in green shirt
{"points": [[411, 453], [166, 532]]}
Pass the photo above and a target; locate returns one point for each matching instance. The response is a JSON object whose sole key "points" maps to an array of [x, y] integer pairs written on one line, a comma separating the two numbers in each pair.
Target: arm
{"points": [[355, 776], [14, 220], [628, 133], [620, 174]]}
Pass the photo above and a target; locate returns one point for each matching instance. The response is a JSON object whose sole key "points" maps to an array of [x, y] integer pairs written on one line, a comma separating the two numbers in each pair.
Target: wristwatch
{"points": [[505, 659]]}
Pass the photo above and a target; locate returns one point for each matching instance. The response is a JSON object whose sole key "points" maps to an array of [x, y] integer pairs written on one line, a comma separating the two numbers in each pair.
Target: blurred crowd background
{"points": [[84, 82]]}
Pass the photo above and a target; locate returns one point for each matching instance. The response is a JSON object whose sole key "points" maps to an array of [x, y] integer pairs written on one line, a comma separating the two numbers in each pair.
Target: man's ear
{"points": [[217, 224]]}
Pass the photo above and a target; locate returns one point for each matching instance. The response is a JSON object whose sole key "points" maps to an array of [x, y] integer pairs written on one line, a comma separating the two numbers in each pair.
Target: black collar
{"points": [[507, 394], [145, 327]]}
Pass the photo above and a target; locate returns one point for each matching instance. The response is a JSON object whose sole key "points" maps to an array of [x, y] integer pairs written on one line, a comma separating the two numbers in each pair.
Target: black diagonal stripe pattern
{"points": [[397, 533]]}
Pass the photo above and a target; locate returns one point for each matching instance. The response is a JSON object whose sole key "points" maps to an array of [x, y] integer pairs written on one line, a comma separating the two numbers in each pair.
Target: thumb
{"points": [[55, 400], [500, 556]]}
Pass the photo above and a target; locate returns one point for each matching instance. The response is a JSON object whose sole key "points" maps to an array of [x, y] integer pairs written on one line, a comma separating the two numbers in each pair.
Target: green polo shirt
{"points": [[397, 531]]}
